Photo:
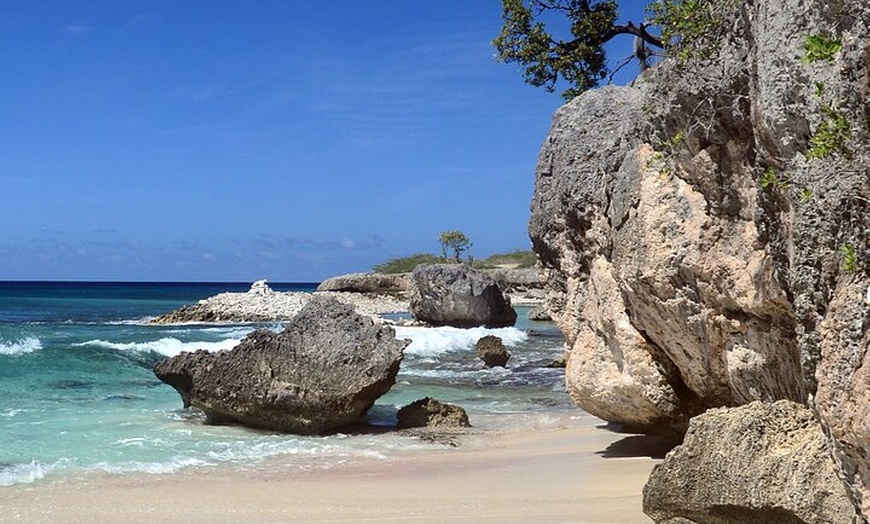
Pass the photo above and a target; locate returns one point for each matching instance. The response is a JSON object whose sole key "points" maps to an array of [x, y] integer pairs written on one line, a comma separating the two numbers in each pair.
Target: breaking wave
{"points": [[166, 346], [19, 347]]}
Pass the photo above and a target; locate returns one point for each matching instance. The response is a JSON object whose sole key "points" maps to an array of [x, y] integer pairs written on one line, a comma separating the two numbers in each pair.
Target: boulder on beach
{"points": [[457, 295], [756, 463], [320, 374], [428, 412], [492, 352]]}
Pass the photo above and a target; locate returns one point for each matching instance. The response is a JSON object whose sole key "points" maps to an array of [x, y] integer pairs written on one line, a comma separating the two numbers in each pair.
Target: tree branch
{"points": [[632, 29]]}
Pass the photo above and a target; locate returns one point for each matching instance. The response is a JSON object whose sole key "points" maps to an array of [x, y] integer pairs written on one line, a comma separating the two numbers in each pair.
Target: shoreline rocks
{"points": [[698, 248], [377, 283], [759, 463], [490, 349], [430, 413], [319, 375], [272, 306], [459, 296]]}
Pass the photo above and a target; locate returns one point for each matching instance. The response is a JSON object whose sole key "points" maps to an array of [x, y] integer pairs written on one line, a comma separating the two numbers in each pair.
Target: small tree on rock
{"points": [[579, 58], [456, 242]]}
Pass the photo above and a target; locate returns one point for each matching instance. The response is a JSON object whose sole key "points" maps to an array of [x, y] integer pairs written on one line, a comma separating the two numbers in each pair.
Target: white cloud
{"points": [[76, 29]]}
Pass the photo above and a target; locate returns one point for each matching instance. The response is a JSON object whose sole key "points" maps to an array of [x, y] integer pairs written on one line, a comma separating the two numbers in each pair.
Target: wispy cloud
{"points": [[77, 29]]}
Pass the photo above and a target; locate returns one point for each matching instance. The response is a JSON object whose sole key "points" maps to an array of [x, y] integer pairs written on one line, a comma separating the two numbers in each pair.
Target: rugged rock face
{"points": [[518, 280], [322, 373], [491, 350], [778, 470], [702, 235], [368, 283], [428, 412], [457, 295]]}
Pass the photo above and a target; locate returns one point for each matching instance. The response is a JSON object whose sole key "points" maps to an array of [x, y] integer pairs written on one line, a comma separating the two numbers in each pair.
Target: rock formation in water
{"points": [[428, 412], [320, 374], [704, 235], [490, 349], [457, 295]]}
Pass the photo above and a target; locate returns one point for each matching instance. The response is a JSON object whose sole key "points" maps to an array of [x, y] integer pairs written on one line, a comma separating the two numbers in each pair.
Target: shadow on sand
{"points": [[652, 446]]}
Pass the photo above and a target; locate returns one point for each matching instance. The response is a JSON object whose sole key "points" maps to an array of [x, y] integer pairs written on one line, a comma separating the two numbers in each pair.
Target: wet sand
{"points": [[575, 471]]}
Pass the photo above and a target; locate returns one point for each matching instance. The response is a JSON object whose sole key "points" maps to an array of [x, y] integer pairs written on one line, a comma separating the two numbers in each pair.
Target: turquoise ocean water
{"points": [[78, 397]]}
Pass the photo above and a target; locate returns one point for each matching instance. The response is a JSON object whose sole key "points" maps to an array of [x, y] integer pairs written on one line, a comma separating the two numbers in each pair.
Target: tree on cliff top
{"points": [[580, 59]]}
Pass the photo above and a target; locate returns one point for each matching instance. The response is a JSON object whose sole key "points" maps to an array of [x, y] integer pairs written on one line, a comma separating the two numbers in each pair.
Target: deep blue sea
{"points": [[78, 397]]}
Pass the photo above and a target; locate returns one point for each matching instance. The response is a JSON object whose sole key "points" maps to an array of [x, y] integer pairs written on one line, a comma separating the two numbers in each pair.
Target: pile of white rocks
{"points": [[262, 304]]}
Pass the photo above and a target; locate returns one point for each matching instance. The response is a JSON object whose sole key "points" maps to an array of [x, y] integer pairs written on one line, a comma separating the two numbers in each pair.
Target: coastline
{"points": [[568, 470]]}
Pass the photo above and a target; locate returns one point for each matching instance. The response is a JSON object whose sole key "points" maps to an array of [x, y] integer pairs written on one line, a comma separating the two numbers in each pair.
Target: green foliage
{"points": [[771, 179], [831, 135], [519, 259], [684, 24], [662, 160], [673, 142], [544, 59], [454, 241], [851, 261], [579, 59], [805, 194], [820, 89], [820, 47], [406, 264]]}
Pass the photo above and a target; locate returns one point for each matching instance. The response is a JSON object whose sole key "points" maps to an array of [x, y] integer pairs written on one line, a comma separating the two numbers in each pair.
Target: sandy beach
{"points": [[575, 471]]}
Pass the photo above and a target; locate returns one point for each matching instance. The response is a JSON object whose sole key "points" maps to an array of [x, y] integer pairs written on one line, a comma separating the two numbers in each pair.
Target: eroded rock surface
{"points": [[387, 284], [695, 231], [320, 374], [429, 412], [457, 295], [754, 464], [491, 350]]}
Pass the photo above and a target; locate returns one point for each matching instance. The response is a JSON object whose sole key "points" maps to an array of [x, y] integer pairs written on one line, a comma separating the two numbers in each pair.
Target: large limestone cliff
{"points": [[704, 235]]}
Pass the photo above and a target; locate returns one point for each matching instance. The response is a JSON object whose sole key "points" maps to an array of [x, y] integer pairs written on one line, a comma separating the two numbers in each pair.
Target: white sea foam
{"points": [[151, 468], [19, 347], [431, 342], [167, 346], [22, 473]]}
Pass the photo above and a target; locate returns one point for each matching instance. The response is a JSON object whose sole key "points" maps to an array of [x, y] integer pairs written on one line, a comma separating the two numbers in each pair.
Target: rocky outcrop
{"points": [[259, 305], [428, 412], [320, 374], [759, 463], [377, 283], [539, 314], [457, 295], [490, 349], [516, 280], [702, 235]]}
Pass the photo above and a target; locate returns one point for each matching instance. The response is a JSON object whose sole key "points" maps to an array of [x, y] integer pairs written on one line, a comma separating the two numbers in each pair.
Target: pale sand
{"points": [[560, 474]]}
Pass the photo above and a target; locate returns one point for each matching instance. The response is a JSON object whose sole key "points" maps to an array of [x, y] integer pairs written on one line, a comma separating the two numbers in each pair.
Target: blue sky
{"points": [[287, 140]]}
